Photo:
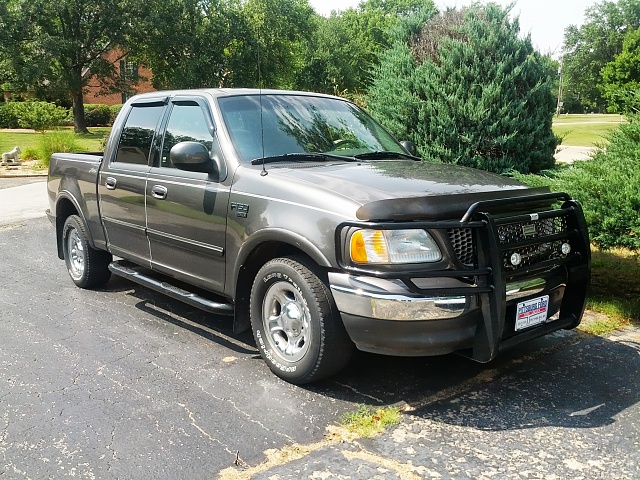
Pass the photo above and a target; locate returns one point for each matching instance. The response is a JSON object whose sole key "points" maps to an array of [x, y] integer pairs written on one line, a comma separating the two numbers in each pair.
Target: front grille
{"points": [[517, 232], [463, 246], [522, 231], [462, 243]]}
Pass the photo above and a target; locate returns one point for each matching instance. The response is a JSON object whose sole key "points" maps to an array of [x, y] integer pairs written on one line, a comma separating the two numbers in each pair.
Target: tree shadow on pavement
{"points": [[567, 379]]}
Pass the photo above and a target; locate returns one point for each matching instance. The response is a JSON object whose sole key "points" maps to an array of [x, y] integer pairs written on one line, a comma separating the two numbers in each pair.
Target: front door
{"points": [[186, 211]]}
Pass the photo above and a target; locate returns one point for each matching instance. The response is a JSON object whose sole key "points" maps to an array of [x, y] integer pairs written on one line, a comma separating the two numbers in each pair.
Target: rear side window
{"points": [[137, 135]]}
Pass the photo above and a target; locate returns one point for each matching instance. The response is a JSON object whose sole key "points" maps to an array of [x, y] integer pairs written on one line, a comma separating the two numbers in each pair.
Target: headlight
{"points": [[393, 247]]}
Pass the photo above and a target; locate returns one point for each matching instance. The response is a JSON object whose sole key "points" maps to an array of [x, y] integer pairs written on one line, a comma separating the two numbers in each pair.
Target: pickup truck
{"points": [[303, 219]]}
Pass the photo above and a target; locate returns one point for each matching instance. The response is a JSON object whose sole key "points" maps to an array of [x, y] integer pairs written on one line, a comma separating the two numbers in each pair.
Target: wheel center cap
{"points": [[292, 316]]}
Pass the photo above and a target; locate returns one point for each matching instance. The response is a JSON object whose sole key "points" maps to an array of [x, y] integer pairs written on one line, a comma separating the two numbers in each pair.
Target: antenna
{"points": [[264, 170]]}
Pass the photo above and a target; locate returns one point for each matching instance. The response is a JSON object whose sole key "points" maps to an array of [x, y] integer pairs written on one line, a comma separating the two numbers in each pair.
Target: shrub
{"points": [[53, 142], [468, 90], [10, 114], [115, 110], [607, 186], [97, 115], [41, 116]]}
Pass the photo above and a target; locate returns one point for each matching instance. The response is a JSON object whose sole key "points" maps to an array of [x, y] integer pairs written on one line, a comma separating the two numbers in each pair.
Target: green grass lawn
{"points": [[30, 141], [589, 118], [615, 288], [585, 130]]}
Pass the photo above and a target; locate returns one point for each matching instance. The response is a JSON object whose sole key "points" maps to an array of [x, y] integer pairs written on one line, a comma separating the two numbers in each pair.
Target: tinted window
{"points": [[137, 134], [279, 124], [187, 123]]}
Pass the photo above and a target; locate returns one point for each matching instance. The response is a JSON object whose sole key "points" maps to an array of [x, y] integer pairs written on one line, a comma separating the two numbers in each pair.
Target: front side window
{"points": [[137, 135], [271, 125], [187, 123]]}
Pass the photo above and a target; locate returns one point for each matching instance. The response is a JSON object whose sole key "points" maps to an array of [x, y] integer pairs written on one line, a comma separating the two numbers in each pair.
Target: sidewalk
{"points": [[570, 154], [26, 168], [23, 202]]}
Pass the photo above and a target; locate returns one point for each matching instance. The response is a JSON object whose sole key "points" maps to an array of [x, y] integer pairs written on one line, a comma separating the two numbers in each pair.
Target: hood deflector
{"points": [[436, 207]]}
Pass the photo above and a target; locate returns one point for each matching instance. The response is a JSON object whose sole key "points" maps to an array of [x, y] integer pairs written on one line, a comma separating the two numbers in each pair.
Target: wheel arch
{"points": [[258, 251], [66, 205]]}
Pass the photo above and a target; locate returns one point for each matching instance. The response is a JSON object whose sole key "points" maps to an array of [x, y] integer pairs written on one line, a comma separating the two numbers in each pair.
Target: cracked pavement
{"points": [[125, 383]]}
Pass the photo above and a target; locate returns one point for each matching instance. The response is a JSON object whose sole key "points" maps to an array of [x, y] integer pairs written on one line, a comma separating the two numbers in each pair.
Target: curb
{"points": [[25, 175], [22, 173]]}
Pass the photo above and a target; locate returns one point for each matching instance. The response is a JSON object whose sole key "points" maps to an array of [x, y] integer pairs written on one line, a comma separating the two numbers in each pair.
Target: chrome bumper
{"points": [[383, 299]]}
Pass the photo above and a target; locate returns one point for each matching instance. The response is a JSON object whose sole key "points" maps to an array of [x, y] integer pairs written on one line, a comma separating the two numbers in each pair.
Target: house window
{"points": [[129, 70]]}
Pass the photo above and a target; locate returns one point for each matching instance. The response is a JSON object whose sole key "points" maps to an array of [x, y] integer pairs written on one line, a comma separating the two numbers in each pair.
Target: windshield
{"points": [[301, 124]]}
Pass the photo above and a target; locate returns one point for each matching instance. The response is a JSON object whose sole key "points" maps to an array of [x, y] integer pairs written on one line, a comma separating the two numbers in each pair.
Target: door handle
{"points": [[159, 192], [110, 183]]}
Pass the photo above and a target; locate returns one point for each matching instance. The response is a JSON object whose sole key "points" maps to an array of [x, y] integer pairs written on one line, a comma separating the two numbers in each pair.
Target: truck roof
{"points": [[225, 92]]}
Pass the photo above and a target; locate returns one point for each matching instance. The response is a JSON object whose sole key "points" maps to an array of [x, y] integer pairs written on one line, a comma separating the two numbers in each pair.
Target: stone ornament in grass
{"points": [[12, 157]]}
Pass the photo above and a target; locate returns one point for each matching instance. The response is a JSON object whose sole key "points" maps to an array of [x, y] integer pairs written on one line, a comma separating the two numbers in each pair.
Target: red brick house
{"points": [[127, 69]]}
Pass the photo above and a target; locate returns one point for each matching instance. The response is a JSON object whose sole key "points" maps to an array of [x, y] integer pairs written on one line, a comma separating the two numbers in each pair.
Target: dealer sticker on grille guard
{"points": [[532, 312]]}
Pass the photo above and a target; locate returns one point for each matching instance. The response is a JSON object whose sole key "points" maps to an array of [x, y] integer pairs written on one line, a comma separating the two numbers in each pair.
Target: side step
{"points": [[172, 291]]}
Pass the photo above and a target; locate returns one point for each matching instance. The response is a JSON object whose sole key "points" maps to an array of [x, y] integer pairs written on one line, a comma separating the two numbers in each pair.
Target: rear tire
{"points": [[296, 324], [88, 267]]}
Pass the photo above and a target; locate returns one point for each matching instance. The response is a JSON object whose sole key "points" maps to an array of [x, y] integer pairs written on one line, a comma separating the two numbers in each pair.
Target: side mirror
{"points": [[410, 147], [193, 157]]}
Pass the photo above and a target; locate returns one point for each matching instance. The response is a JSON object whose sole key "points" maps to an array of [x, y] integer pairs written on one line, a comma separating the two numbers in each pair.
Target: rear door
{"points": [[187, 211], [122, 182]]}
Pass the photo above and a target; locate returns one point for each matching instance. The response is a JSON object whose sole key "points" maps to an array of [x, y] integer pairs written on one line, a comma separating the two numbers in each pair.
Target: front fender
{"points": [[280, 236]]}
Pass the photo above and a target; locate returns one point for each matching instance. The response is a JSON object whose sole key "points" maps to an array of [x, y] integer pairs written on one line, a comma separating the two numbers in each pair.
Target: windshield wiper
{"points": [[381, 155], [300, 157]]}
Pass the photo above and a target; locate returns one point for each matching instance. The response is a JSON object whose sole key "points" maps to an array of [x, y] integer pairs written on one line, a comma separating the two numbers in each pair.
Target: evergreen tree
{"points": [[471, 92]]}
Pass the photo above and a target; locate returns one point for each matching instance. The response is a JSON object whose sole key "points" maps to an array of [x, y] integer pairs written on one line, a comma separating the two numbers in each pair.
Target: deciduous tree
{"points": [[590, 47], [189, 43], [621, 77], [60, 44]]}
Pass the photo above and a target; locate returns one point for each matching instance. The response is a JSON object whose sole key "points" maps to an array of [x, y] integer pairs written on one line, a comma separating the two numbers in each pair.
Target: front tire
{"points": [[88, 267], [296, 325]]}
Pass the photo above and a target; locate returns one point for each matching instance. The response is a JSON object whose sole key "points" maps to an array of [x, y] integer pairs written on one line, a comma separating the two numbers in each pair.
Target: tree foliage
{"points": [[621, 77], [467, 90], [225, 43], [195, 51], [590, 47], [58, 45], [346, 46]]}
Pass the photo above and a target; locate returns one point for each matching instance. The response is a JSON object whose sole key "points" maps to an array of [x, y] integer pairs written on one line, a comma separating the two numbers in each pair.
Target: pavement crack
{"points": [[245, 414], [366, 395], [203, 432]]}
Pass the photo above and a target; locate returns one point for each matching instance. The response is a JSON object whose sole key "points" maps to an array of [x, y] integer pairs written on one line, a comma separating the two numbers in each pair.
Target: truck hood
{"points": [[401, 190]]}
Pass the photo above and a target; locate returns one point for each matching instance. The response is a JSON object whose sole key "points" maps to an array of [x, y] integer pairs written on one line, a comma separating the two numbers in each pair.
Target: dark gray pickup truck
{"points": [[301, 217]]}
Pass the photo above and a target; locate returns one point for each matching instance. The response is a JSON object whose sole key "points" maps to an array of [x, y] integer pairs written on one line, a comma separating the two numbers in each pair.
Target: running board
{"points": [[172, 291]]}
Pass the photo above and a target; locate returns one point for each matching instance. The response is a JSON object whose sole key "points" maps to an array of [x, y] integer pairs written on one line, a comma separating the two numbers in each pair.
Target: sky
{"points": [[544, 19]]}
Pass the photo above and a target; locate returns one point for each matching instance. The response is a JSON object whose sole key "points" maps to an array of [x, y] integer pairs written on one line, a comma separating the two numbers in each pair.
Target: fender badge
{"points": [[242, 209]]}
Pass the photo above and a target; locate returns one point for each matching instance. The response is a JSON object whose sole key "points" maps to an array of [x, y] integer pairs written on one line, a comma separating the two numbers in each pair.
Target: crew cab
{"points": [[300, 217]]}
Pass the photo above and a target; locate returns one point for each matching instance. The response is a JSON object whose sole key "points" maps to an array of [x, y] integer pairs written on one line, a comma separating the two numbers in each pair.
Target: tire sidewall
{"points": [[269, 275]]}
